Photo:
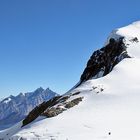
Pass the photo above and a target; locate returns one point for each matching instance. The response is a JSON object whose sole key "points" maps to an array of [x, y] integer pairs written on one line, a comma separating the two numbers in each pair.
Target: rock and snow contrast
{"points": [[14, 108], [104, 105]]}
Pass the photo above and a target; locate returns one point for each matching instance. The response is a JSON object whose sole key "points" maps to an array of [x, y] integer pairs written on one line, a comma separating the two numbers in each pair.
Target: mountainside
{"points": [[14, 108], [104, 105]]}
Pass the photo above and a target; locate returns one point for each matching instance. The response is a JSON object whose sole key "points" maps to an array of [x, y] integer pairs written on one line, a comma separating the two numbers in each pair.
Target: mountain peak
{"points": [[15, 108], [103, 60], [122, 43], [40, 89], [130, 31]]}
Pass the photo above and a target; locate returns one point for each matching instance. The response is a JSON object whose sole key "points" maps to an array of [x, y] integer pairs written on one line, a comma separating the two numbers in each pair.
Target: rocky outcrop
{"points": [[102, 61], [73, 102], [38, 110], [54, 111], [53, 107]]}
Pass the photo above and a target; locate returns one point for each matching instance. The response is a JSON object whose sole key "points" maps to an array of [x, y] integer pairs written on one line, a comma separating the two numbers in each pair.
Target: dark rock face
{"points": [[52, 107], [100, 64], [54, 111], [73, 102], [102, 61], [39, 110]]}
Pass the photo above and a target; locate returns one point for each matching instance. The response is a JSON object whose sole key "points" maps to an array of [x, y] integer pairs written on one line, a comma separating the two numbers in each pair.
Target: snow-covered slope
{"points": [[15, 108], [101, 108], [131, 34]]}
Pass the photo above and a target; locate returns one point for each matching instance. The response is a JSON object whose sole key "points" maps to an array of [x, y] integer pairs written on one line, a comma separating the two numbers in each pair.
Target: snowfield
{"points": [[110, 109]]}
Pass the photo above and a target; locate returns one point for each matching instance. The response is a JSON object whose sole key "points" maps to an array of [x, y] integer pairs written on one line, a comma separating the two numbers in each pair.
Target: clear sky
{"points": [[48, 42]]}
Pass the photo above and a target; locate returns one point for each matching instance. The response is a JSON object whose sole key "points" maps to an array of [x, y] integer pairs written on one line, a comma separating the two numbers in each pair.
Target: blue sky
{"points": [[48, 42]]}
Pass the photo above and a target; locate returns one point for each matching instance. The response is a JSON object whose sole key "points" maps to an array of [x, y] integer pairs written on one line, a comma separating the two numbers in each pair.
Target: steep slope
{"points": [[122, 43], [103, 106], [14, 108]]}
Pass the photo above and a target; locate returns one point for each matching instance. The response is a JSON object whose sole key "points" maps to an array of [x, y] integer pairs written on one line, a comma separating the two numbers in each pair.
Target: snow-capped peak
{"points": [[7, 100], [15, 108], [131, 35], [122, 43], [130, 31]]}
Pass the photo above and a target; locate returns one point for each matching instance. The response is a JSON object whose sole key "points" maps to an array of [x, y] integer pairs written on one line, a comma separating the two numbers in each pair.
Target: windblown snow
{"points": [[110, 109]]}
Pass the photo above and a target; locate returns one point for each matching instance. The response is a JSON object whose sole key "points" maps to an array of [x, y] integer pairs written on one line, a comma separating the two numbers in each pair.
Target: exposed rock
{"points": [[73, 102], [102, 61], [39, 110], [63, 98], [135, 40], [76, 93], [52, 107], [54, 111]]}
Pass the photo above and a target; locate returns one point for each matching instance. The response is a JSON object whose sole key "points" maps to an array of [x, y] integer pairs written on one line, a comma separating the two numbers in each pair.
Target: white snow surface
{"points": [[129, 32], [110, 109]]}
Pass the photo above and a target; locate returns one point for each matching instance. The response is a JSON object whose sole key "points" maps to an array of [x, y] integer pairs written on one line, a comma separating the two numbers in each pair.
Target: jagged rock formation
{"points": [[15, 108], [102, 61], [38, 110], [53, 107], [54, 111]]}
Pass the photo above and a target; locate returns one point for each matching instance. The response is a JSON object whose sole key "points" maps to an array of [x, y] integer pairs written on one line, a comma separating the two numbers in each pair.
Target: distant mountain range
{"points": [[14, 108]]}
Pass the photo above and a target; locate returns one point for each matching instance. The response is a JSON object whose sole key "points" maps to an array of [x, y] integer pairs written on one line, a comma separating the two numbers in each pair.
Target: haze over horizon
{"points": [[47, 43]]}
